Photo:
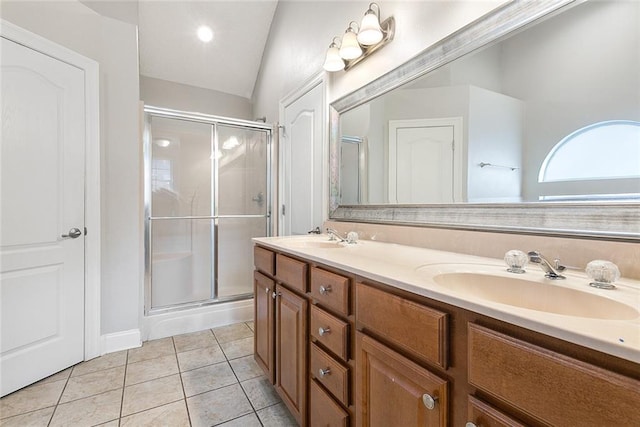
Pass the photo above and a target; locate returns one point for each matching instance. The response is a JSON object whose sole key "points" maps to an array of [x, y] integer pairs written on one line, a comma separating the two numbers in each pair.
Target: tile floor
{"points": [[206, 378]]}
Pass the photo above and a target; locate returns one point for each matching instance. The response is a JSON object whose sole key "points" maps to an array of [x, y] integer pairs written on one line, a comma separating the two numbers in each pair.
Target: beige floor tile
{"points": [[260, 392], [151, 350], [93, 383], [34, 397], [251, 325], [250, 420], [194, 340], [38, 418], [276, 416], [114, 423], [171, 415], [107, 361], [151, 394], [151, 369], [89, 411], [218, 406], [246, 368], [200, 357], [238, 348], [62, 375], [208, 378], [233, 332]]}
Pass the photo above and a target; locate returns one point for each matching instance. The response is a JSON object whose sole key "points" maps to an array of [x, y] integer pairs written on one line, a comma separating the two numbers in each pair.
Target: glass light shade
{"points": [[333, 61], [370, 32], [350, 49]]}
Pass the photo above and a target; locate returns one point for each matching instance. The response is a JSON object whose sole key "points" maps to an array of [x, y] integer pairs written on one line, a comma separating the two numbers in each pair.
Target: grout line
{"points": [[184, 393], [124, 383], [61, 394]]}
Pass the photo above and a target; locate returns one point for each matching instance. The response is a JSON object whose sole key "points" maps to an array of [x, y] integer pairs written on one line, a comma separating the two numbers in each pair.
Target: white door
{"points": [[302, 190], [42, 184], [422, 165]]}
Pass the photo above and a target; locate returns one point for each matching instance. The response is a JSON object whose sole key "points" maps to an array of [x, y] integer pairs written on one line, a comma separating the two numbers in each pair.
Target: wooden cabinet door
{"points": [[263, 337], [291, 351], [394, 391]]}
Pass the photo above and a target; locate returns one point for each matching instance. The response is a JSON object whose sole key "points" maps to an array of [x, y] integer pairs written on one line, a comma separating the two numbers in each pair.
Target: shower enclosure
{"points": [[207, 193]]}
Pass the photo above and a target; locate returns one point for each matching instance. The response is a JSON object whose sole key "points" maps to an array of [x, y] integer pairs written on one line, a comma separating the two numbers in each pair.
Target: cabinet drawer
{"points": [[324, 411], [330, 290], [552, 388], [264, 260], [394, 391], [330, 373], [482, 414], [420, 330], [291, 272], [332, 332]]}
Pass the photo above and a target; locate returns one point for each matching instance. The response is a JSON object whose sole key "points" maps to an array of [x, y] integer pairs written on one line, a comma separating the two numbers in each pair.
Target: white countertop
{"points": [[414, 269]]}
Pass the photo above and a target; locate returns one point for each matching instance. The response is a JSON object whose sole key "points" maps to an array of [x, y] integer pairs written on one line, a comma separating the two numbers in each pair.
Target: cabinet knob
{"points": [[325, 289], [470, 424], [429, 401], [324, 372], [276, 294], [266, 290], [323, 331]]}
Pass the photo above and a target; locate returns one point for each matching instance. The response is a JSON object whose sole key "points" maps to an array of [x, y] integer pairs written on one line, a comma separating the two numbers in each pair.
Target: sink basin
{"points": [[313, 244], [534, 295]]}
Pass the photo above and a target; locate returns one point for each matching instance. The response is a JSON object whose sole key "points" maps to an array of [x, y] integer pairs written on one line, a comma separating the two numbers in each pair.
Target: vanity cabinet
{"points": [[550, 387], [281, 319], [343, 350]]}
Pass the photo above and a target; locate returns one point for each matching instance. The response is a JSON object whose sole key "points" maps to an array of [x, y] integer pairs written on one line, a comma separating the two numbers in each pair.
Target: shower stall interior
{"points": [[207, 193]]}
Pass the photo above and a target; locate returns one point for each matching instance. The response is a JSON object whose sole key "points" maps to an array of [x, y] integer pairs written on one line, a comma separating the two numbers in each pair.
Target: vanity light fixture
{"points": [[350, 48], [370, 32], [360, 41], [205, 34], [333, 60]]}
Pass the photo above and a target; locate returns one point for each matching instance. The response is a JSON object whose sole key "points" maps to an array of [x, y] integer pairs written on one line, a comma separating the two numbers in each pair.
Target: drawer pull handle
{"points": [[429, 401], [323, 331], [324, 372], [325, 289], [470, 424]]}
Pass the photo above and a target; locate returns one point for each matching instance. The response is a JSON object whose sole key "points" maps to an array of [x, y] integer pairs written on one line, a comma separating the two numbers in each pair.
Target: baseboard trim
{"points": [[121, 341]]}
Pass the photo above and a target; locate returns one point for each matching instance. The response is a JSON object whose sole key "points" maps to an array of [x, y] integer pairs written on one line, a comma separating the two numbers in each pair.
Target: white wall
{"points": [[113, 45], [177, 96], [302, 31]]}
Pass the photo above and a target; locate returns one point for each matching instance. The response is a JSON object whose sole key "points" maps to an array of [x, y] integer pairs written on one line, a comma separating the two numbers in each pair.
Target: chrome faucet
{"points": [[334, 235], [536, 257]]}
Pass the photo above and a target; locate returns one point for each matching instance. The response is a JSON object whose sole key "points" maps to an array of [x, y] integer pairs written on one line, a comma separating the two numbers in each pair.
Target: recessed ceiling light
{"points": [[205, 33], [162, 142]]}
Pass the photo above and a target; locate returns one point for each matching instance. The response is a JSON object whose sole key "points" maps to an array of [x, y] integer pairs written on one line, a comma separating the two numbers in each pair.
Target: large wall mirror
{"points": [[527, 120]]}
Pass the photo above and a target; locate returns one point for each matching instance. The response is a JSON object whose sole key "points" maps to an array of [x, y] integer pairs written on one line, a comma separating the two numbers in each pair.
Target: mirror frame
{"points": [[618, 221]]}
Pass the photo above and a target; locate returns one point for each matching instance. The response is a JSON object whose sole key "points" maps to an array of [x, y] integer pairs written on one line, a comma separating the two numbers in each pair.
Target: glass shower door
{"points": [[241, 208], [181, 224]]}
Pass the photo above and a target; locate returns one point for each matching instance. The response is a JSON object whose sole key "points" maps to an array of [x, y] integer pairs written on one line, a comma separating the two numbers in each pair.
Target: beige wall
{"points": [[113, 44], [177, 96]]}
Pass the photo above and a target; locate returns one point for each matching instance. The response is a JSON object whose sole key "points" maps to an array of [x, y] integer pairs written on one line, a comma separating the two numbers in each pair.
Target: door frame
{"points": [[9, 31], [459, 176], [317, 80]]}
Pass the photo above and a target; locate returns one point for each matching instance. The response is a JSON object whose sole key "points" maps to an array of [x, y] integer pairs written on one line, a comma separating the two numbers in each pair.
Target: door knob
{"points": [[74, 233]]}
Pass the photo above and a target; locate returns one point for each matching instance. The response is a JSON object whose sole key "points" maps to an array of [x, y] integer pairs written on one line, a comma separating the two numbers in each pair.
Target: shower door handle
{"points": [[74, 233]]}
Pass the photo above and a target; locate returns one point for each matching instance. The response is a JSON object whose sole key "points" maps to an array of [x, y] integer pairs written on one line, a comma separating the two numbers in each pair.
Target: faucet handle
{"points": [[516, 260], [603, 273], [315, 231]]}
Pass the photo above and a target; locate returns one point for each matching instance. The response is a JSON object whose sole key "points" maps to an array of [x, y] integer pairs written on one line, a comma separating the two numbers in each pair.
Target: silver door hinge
{"points": [[283, 209]]}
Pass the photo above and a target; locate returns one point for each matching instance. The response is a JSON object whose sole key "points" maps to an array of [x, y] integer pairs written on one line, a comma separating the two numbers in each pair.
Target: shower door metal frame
{"points": [[213, 121]]}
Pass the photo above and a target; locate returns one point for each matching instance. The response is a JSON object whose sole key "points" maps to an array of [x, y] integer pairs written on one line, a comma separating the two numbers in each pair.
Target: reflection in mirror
{"points": [[550, 113]]}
